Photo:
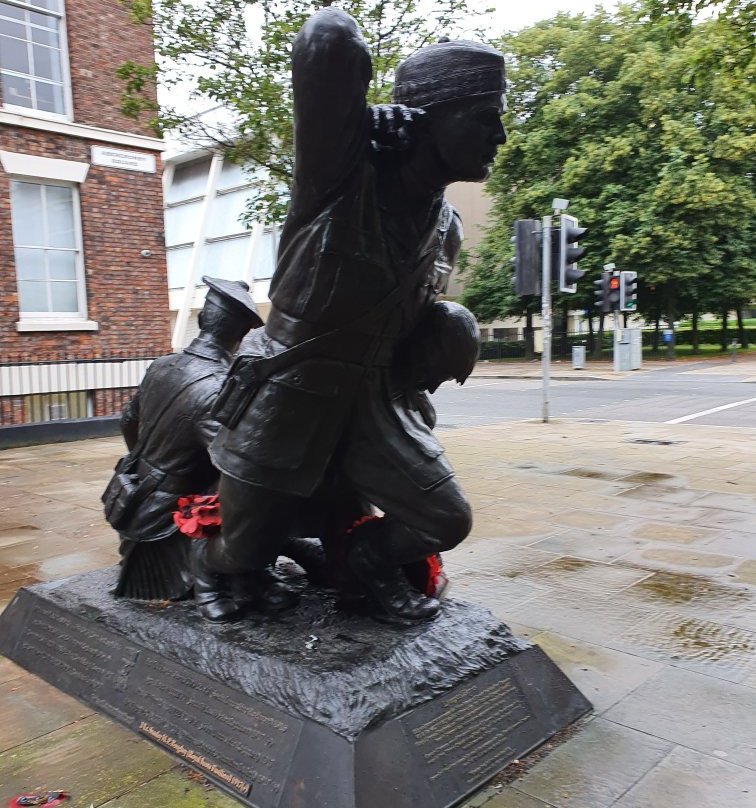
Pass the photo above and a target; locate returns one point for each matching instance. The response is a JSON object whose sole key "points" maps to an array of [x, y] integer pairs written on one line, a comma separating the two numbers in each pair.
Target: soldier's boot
{"points": [[310, 555], [265, 590], [212, 591], [396, 600]]}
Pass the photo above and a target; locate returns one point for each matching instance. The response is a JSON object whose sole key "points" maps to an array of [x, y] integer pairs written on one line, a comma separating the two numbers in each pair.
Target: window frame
{"points": [[81, 314], [65, 66]]}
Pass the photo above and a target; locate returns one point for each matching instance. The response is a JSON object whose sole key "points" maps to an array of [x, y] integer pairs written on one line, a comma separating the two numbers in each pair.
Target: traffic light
{"points": [[566, 253], [614, 291], [527, 257], [628, 300], [602, 292]]}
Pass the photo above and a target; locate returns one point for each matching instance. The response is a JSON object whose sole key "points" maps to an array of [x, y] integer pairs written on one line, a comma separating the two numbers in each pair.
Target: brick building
{"points": [[82, 258]]}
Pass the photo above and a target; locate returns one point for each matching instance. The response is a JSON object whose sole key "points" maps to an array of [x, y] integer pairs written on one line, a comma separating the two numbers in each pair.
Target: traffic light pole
{"points": [[615, 352], [546, 316]]}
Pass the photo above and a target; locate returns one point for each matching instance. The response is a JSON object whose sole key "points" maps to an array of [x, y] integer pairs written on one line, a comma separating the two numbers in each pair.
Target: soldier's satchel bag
{"points": [[127, 488]]}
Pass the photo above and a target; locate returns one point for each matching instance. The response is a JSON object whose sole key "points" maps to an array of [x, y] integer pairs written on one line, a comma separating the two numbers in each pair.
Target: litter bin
{"points": [[578, 357]]}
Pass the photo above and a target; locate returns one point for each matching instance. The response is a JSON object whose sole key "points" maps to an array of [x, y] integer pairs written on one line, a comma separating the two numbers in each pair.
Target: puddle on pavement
{"points": [[694, 640], [568, 564], [669, 588], [696, 634], [591, 474], [647, 477], [679, 634]]}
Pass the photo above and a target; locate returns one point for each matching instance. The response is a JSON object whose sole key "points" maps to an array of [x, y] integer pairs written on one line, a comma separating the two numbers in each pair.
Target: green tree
{"points": [[236, 54], [655, 155]]}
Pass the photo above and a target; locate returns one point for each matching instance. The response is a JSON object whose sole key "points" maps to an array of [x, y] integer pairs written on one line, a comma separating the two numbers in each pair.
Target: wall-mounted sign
{"points": [[119, 158]]}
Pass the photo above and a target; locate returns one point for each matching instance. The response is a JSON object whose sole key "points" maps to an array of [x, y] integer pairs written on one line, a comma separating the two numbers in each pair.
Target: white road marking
{"points": [[708, 412]]}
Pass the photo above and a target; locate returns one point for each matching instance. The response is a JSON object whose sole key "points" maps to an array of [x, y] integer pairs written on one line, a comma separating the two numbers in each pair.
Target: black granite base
{"points": [[317, 708]]}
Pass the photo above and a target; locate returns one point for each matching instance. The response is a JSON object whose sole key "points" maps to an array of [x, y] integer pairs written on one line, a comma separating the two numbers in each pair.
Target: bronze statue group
{"points": [[315, 429]]}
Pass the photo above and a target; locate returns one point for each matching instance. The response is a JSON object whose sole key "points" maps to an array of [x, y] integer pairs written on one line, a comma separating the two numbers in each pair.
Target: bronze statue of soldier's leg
{"points": [[255, 527], [426, 513]]}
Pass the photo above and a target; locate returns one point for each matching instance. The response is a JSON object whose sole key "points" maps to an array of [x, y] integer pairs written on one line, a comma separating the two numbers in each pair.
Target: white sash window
{"points": [[47, 243], [33, 58]]}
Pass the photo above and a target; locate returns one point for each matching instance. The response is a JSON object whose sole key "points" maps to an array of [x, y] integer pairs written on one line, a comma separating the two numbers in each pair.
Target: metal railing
{"points": [[65, 386]]}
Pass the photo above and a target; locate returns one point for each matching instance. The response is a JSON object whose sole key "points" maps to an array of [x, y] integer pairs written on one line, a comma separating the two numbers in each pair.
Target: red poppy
{"points": [[198, 516], [47, 800]]}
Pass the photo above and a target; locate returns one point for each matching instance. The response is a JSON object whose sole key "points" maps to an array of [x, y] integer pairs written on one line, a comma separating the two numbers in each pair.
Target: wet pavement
{"points": [[626, 550]]}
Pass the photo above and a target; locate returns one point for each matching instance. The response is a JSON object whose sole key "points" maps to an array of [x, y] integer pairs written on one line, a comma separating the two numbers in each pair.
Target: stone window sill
{"points": [[57, 325]]}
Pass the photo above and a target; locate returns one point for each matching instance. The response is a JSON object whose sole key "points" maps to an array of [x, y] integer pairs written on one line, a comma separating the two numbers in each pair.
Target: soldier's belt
{"points": [[351, 342]]}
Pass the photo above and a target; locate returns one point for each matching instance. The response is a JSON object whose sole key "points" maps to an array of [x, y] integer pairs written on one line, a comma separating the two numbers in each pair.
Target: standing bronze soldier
{"points": [[359, 265]]}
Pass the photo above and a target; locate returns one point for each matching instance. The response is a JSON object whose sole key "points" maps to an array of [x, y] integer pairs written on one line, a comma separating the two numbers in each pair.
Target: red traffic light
{"points": [[614, 282]]}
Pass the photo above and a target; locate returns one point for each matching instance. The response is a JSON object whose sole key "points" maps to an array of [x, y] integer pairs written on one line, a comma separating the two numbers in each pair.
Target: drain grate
{"points": [[650, 442]]}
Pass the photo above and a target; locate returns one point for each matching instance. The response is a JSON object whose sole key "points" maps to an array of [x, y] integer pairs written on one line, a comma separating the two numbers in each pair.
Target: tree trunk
{"points": [[591, 340], [529, 336], [724, 341], [694, 330], [655, 340], [742, 334], [598, 344]]}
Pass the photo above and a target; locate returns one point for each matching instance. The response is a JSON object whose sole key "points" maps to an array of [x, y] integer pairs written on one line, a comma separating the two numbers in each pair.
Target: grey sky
{"points": [[516, 14]]}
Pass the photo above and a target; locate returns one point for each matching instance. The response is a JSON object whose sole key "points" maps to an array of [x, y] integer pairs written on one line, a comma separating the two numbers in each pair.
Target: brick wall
{"points": [[100, 38], [111, 402], [121, 213], [12, 410], [15, 410]]}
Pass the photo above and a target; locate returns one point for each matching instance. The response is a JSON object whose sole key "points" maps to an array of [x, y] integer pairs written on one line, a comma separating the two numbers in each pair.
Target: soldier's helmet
{"points": [[444, 345]]}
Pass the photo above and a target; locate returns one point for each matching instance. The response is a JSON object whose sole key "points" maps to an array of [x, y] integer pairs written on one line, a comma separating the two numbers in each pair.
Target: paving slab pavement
{"points": [[633, 564]]}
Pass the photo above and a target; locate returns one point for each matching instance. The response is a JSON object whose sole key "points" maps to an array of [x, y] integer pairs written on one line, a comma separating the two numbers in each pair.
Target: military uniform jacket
{"points": [[177, 444], [348, 242]]}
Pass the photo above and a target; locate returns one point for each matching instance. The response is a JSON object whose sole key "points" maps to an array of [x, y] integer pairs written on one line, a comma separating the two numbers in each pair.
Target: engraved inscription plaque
{"points": [[464, 737], [242, 743], [82, 659]]}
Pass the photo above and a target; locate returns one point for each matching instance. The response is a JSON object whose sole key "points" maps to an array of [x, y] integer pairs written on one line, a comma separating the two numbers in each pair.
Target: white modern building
{"points": [[205, 199]]}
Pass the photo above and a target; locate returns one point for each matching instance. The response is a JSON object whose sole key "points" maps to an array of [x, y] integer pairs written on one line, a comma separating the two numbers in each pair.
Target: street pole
{"points": [[546, 316], [616, 365]]}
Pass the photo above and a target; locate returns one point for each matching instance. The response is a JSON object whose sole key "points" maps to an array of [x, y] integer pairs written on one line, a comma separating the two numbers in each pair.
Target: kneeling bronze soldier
{"points": [[167, 426]]}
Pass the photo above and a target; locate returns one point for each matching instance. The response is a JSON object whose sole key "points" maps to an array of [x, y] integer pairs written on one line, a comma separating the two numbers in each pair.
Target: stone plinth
{"points": [[316, 708]]}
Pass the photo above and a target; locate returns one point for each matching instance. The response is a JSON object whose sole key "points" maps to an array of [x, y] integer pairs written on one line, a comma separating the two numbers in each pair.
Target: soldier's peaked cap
{"points": [[233, 297], [449, 71]]}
